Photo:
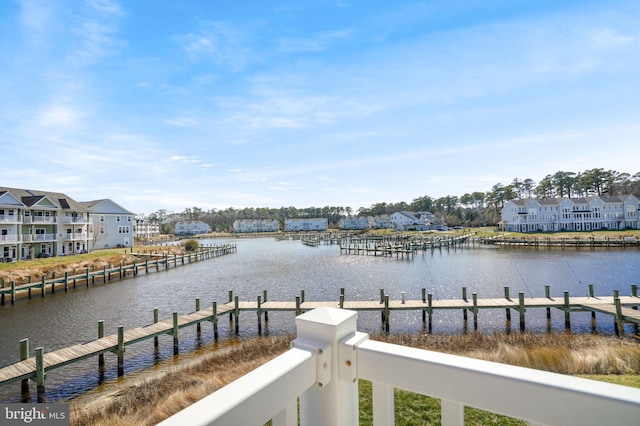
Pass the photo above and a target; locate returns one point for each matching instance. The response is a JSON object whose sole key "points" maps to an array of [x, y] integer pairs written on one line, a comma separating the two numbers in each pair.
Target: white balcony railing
{"points": [[29, 238], [322, 369], [8, 238], [74, 220], [39, 219], [76, 236], [10, 218]]}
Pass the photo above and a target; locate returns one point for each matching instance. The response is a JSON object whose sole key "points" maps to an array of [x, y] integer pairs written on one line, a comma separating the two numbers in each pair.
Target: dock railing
{"points": [[316, 383]]}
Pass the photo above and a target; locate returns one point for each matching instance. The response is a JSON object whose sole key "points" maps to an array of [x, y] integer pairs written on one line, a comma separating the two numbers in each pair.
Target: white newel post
{"points": [[332, 401]]}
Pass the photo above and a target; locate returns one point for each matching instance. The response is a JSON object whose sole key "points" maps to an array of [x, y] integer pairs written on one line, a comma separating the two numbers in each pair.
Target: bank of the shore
{"points": [[151, 397]]}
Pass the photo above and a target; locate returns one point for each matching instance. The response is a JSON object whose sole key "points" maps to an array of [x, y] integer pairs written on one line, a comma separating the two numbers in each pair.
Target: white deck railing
{"points": [[322, 369]]}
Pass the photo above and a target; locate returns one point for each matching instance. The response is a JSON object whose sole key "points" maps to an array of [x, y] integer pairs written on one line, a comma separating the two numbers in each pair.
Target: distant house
{"points": [[571, 214], [407, 221], [311, 224], [354, 223], [146, 229], [191, 228], [256, 225], [380, 222], [113, 225]]}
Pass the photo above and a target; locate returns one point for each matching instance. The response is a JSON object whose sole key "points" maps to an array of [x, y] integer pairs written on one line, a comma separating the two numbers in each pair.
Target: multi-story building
{"points": [[113, 225], [354, 223], [145, 229], [571, 214], [42, 224], [310, 224], [191, 228], [256, 225]]}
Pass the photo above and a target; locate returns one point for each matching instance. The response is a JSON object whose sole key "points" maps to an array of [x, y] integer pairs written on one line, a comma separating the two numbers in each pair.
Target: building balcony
{"points": [[40, 220], [75, 220], [38, 238], [316, 383], [75, 236], [10, 218], [9, 239]]}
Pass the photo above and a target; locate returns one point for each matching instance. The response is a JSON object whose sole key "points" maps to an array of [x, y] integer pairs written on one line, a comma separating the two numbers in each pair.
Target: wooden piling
{"points": [[40, 373], [214, 320], [521, 310], [24, 355], [100, 336], [176, 346], [236, 314], [120, 351], [567, 312]]}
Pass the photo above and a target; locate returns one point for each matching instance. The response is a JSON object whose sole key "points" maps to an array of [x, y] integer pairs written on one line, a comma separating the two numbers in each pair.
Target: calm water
{"points": [[283, 269]]}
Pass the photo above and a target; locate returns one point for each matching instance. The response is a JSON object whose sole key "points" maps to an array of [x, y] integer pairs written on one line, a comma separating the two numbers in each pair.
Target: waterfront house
{"points": [[354, 223], [571, 214], [410, 221], [145, 229], [113, 225], [310, 224], [256, 225], [191, 228]]}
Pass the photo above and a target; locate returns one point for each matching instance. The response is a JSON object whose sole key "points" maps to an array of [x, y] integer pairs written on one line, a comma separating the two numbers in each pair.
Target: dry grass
{"points": [[150, 402], [21, 272]]}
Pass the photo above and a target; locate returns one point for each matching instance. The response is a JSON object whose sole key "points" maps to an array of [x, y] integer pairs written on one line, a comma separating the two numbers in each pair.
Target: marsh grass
{"points": [[147, 403]]}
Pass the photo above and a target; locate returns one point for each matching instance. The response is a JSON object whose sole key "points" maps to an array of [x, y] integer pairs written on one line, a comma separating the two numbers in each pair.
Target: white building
{"points": [[112, 224], [379, 222], [256, 225], [571, 214], [191, 228], [354, 223], [146, 229], [41, 224], [311, 224]]}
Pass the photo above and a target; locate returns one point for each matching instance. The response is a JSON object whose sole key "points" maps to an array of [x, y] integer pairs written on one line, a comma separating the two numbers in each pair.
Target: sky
{"points": [[217, 104]]}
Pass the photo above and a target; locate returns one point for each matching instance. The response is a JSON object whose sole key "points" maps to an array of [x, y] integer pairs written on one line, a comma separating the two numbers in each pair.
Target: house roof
{"points": [[31, 198]]}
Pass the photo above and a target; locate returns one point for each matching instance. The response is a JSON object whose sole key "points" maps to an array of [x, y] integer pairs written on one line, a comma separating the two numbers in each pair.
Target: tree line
{"points": [[470, 209]]}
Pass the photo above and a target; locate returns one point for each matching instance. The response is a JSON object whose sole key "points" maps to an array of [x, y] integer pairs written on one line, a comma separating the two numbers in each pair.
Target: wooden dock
{"points": [[400, 248], [577, 242], [148, 262], [623, 309]]}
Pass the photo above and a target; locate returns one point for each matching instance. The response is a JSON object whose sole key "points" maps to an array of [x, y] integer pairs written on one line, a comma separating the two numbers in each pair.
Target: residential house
{"points": [[571, 214], [113, 225], [354, 223], [191, 228], [311, 224], [145, 229], [256, 225], [379, 222], [41, 224]]}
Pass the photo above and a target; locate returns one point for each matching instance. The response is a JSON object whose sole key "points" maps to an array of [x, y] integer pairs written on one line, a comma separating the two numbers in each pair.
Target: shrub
{"points": [[190, 245]]}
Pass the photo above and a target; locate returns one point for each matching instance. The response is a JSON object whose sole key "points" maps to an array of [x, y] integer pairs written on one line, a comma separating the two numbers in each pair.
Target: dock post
{"points": [[382, 303], [341, 300], [176, 346], [230, 300], [424, 300], [100, 336], [430, 311], [591, 290], [547, 294], [42, 283], [146, 265], [259, 312], [507, 310], [66, 281], [634, 293], [155, 320], [521, 309], [87, 274], [619, 326], [464, 311], [120, 351], [198, 327], [40, 373], [236, 313], [567, 312], [298, 312], [13, 292], [214, 320], [386, 313], [266, 313], [474, 296], [24, 355], [593, 313]]}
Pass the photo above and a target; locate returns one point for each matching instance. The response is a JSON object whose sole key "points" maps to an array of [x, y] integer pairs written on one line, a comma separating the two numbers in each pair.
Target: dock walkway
{"points": [[622, 308]]}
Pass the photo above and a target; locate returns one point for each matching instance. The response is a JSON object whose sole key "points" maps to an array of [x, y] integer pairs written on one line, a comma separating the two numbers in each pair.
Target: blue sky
{"points": [[216, 104]]}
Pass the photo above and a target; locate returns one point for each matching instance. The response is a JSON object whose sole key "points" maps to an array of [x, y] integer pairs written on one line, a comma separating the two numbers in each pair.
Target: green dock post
{"points": [[464, 310], [198, 327], [619, 324], [155, 320], [341, 300], [266, 313], [591, 290], [100, 336], [87, 279], [567, 312], [120, 351], [259, 313], [176, 347], [236, 313], [42, 284], [521, 309], [13, 292], [386, 313], [24, 355], [474, 297], [214, 320], [40, 374], [298, 312], [430, 311], [66, 281]]}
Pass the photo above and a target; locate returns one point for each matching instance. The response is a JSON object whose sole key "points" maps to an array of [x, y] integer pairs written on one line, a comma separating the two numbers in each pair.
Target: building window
{"points": [[117, 218], [102, 229], [101, 218]]}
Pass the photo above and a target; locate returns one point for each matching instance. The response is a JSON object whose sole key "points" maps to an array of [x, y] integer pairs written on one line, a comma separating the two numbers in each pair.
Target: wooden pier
{"points": [[577, 242], [400, 248], [623, 309], [149, 262]]}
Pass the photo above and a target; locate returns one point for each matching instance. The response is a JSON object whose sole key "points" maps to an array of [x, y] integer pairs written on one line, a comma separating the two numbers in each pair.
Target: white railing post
{"points": [[334, 399]]}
